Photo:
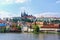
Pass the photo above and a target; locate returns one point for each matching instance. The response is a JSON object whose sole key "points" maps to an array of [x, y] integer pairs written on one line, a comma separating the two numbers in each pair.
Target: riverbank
{"points": [[35, 33]]}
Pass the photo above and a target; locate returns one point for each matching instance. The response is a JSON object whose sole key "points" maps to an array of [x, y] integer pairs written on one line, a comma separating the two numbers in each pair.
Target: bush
{"points": [[36, 29], [19, 27], [3, 30]]}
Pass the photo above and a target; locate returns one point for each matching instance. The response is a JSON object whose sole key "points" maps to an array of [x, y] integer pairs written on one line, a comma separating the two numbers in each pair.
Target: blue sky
{"points": [[10, 8]]}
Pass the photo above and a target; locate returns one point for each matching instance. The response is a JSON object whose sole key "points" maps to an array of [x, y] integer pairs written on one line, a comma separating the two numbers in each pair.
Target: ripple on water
{"points": [[28, 36]]}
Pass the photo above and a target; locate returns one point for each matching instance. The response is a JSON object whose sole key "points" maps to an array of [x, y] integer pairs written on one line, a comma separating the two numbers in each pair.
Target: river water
{"points": [[28, 36]]}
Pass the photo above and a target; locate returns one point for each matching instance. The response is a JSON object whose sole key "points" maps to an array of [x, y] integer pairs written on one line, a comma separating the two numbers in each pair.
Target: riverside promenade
{"points": [[50, 29]]}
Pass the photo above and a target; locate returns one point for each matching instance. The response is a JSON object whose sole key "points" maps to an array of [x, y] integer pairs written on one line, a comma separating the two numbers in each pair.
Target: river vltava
{"points": [[28, 36]]}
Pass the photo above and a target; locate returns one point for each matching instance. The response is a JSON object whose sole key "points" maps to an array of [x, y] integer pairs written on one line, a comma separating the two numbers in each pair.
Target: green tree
{"points": [[3, 30], [36, 29], [15, 20], [27, 20], [55, 21], [18, 27]]}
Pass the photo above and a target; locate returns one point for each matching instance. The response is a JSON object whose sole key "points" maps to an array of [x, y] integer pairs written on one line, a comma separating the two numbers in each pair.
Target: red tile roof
{"points": [[1, 21], [50, 26]]}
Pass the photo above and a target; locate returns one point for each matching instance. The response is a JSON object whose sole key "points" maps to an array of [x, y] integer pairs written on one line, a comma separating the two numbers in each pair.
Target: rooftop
{"points": [[2, 25]]}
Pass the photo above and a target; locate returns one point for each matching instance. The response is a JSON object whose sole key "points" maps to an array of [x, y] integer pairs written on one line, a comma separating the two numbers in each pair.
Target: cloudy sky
{"points": [[10, 8]]}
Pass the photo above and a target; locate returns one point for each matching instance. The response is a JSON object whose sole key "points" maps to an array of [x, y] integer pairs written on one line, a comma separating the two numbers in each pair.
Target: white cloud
{"points": [[4, 14], [48, 14], [21, 1], [57, 1], [26, 9], [3, 2], [44, 14]]}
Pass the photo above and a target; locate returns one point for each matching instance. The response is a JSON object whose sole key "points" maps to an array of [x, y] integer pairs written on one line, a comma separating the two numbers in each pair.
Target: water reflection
{"points": [[59, 36], [28, 36], [46, 37], [36, 36]]}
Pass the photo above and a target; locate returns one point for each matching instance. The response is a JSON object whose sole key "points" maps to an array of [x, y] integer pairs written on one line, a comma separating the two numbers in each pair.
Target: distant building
{"points": [[2, 25], [24, 16], [47, 25]]}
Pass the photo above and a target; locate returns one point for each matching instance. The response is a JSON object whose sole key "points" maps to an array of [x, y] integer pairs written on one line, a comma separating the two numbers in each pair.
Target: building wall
{"points": [[40, 24], [47, 25], [50, 26]]}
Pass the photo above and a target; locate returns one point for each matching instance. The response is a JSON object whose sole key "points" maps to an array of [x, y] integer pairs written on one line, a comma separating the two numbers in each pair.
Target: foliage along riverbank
{"points": [[34, 32]]}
